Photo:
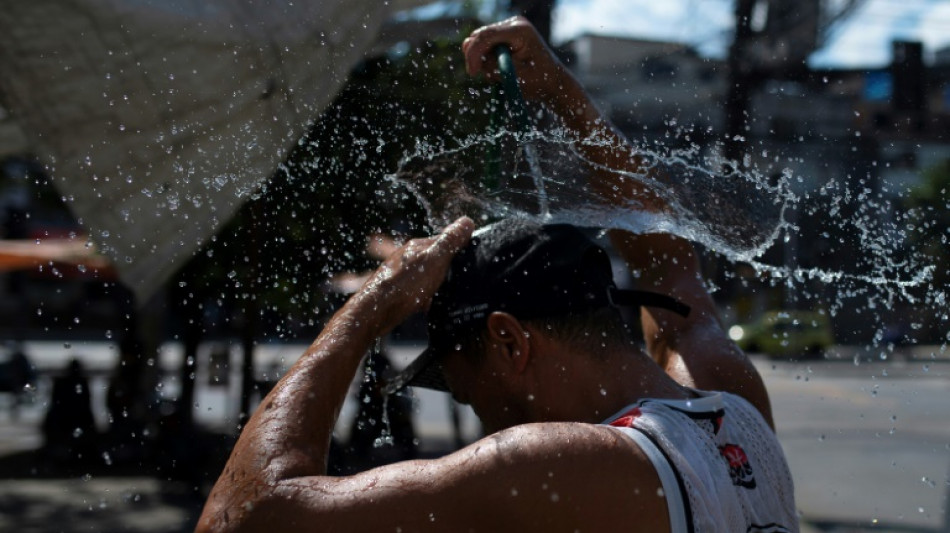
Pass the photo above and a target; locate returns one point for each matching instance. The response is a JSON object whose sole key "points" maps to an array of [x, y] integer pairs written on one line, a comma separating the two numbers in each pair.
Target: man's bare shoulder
{"points": [[534, 477], [598, 460], [554, 440]]}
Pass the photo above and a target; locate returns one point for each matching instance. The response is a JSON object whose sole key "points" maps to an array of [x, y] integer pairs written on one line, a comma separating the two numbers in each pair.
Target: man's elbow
{"points": [[253, 515], [204, 526], [215, 520]]}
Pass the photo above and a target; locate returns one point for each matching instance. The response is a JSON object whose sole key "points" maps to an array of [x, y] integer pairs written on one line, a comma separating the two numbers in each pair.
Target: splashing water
{"points": [[386, 434], [740, 215], [738, 218], [537, 176]]}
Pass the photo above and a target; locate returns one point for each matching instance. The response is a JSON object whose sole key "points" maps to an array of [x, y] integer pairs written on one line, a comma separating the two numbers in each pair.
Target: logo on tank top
{"points": [[739, 468], [626, 420]]}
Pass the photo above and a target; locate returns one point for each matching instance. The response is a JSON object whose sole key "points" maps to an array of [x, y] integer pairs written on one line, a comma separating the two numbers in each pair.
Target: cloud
{"points": [[668, 20], [866, 39]]}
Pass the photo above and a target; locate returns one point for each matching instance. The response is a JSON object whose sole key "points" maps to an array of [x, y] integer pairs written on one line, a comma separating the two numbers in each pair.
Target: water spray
{"points": [[509, 85]]}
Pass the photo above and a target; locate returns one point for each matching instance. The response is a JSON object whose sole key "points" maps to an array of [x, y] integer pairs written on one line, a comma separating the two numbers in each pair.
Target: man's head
{"points": [[516, 278]]}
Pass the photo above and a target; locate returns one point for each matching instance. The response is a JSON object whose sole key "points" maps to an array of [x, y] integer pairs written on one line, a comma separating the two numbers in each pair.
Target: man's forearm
{"points": [[661, 262], [301, 411], [289, 434], [600, 143]]}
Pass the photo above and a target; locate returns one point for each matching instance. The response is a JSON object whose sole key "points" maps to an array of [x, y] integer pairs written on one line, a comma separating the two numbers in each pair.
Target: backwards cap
{"points": [[529, 270]]}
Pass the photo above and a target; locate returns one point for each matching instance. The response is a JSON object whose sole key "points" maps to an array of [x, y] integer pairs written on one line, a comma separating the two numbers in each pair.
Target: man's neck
{"points": [[591, 389]]}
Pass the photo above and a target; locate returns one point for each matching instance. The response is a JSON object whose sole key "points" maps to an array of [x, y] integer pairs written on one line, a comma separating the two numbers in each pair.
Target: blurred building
{"points": [[644, 85], [836, 132]]}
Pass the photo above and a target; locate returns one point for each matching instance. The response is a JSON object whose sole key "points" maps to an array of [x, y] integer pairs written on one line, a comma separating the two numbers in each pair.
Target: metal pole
{"points": [[251, 312], [741, 75]]}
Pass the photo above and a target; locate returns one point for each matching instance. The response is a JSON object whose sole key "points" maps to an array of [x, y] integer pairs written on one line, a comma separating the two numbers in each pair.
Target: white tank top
{"points": [[720, 464]]}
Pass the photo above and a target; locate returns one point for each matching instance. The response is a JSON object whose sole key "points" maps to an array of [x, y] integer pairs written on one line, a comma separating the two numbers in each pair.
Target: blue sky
{"points": [[864, 41]]}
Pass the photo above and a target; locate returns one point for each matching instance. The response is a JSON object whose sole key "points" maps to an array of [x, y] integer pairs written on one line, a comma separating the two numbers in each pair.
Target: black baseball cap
{"points": [[524, 268]]}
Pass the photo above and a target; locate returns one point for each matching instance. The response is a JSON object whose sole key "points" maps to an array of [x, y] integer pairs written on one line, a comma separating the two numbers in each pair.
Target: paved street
{"points": [[868, 442], [868, 445]]}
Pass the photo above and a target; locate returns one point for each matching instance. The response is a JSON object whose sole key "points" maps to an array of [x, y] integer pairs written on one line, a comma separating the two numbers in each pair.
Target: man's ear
{"points": [[507, 332]]}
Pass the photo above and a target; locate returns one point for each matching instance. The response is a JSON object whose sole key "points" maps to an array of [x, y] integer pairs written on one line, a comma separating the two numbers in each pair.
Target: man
{"points": [[524, 328]]}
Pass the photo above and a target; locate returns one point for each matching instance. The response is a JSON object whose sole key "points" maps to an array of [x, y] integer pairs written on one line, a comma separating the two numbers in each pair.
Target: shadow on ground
{"points": [[162, 490]]}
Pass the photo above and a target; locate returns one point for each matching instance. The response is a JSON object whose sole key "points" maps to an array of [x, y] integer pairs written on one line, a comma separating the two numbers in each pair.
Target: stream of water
{"points": [[739, 216]]}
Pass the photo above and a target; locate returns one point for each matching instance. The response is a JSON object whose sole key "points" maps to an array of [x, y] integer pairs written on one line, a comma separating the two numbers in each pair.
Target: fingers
{"points": [[439, 248], [454, 237], [405, 282], [478, 48]]}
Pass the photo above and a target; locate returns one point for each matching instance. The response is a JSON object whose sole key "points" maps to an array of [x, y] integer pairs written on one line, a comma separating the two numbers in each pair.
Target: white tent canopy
{"points": [[157, 119]]}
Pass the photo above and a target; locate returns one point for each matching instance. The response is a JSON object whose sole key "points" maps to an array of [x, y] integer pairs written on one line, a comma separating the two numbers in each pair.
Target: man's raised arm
{"points": [[694, 350], [289, 434]]}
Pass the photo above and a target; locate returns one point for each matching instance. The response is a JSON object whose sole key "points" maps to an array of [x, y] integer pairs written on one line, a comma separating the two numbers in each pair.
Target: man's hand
{"points": [[405, 282], [544, 78], [541, 75]]}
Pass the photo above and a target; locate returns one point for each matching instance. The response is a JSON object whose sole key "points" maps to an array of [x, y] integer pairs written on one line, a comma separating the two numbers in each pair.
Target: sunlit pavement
{"points": [[868, 441], [868, 444]]}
